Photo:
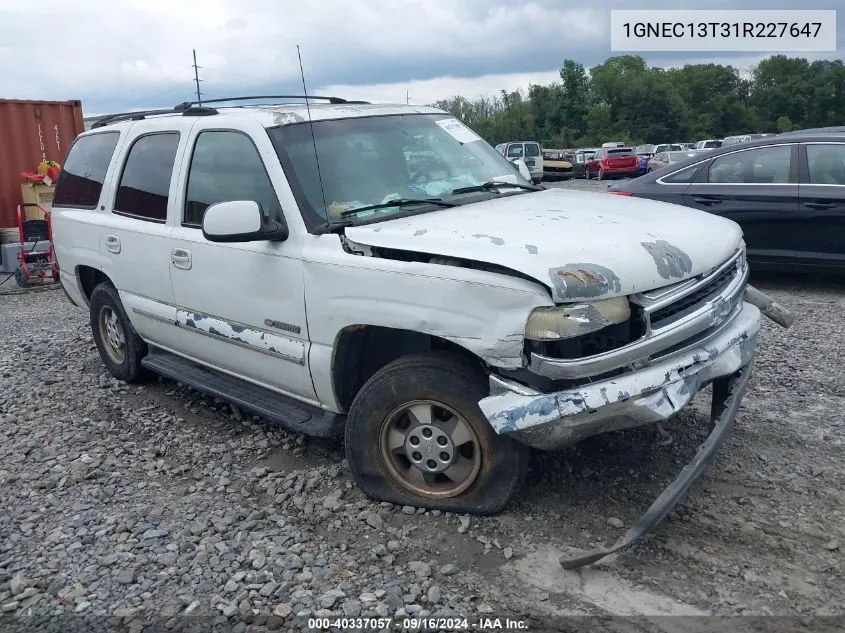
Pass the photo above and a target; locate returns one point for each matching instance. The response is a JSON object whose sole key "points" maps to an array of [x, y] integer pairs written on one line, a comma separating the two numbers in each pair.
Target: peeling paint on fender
{"points": [[531, 249], [670, 260], [581, 281]]}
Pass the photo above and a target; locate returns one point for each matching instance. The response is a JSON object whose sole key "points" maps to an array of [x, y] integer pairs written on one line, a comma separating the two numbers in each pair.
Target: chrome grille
{"points": [[695, 298], [665, 306]]}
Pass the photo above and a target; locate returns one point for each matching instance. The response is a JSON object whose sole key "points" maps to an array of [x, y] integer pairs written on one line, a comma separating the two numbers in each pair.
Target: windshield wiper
{"points": [[494, 185], [399, 202]]}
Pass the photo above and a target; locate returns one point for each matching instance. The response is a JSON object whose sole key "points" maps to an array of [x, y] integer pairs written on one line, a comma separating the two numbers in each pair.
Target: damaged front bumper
{"points": [[651, 394], [654, 393]]}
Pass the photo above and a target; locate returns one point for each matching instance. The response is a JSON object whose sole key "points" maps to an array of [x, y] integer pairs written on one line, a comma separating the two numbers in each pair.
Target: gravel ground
{"points": [[134, 505]]}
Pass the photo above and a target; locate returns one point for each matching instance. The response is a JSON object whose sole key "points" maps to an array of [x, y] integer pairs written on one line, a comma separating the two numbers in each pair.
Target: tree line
{"points": [[623, 99]]}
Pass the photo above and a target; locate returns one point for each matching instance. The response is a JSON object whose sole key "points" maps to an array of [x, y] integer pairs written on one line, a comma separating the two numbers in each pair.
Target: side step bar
{"points": [[273, 406]]}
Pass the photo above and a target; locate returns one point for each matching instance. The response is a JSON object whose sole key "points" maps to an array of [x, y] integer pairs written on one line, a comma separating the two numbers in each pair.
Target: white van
{"points": [[529, 152]]}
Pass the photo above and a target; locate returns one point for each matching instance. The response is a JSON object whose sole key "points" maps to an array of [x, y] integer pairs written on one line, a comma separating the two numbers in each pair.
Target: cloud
{"points": [[134, 53]]}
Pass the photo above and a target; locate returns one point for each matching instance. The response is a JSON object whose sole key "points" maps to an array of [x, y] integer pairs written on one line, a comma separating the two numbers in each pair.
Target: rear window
{"points": [[81, 180], [532, 149], [622, 151]]}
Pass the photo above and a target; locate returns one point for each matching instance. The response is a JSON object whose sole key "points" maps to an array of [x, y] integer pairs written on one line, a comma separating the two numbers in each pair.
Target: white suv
{"points": [[384, 270]]}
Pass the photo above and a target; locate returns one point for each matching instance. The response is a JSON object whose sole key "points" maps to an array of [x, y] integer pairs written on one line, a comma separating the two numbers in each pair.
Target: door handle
{"points": [[820, 205], [706, 200], [181, 258], [113, 243]]}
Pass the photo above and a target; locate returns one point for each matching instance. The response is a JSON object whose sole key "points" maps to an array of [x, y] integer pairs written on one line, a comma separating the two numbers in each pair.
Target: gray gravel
{"points": [[147, 504]]}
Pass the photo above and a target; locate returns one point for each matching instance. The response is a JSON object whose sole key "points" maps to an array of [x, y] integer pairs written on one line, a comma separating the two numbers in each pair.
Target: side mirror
{"points": [[240, 221], [523, 168]]}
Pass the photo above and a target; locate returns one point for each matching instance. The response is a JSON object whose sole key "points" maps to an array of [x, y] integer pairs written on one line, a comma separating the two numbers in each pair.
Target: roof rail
{"points": [[333, 100], [142, 114]]}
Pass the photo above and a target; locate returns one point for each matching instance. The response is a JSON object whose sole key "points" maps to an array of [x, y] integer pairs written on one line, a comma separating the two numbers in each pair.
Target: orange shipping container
{"points": [[32, 131]]}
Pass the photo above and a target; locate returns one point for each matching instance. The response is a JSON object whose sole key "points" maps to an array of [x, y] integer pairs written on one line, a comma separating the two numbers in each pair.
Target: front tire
{"points": [[416, 436], [600, 175], [120, 347]]}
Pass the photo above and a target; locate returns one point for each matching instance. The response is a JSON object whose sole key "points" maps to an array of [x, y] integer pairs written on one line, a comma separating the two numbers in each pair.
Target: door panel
{"points": [[822, 205], [758, 189], [241, 306], [134, 231]]}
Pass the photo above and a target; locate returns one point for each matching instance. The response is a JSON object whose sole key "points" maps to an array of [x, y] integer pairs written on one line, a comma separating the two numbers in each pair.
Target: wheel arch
{"points": [[362, 350]]}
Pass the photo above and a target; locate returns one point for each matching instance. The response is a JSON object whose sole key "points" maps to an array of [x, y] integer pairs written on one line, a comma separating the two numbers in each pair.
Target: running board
{"points": [[273, 406]]}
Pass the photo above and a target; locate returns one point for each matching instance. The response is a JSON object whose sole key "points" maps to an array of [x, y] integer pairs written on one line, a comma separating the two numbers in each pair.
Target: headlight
{"points": [[568, 321]]}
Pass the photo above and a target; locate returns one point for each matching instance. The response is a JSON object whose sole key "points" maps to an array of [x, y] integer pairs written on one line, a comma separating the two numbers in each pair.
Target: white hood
{"points": [[581, 245]]}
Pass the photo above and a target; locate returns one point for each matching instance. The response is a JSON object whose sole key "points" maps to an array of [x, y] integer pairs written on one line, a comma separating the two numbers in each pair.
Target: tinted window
{"points": [[515, 151], [532, 149], [145, 182], [620, 152], [226, 166], [685, 175], [712, 144], [826, 164], [81, 179], [756, 166]]}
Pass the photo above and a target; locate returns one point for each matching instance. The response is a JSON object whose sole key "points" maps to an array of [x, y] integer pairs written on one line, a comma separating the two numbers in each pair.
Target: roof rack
{"points": [[333, 100], [142, 114]]}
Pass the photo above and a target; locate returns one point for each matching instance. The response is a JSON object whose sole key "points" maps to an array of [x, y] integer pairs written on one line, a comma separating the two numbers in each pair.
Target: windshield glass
{"points": [[372, 160]]}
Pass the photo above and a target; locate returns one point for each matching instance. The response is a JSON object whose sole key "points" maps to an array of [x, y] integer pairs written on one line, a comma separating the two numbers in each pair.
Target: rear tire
{"points": [[600, 175], [416, 436], [117, 341]]}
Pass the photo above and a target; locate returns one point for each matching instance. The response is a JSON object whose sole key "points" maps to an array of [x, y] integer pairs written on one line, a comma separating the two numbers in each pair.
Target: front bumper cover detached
{"points": [[727, 395], [654, 393]]}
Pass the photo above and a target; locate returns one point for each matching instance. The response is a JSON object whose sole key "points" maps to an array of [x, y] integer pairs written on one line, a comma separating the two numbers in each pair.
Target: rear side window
{"points": [[145, 183], [515, 151], [226, 166], [532, 149], [81, 179], [763, 165], [827, 164]]}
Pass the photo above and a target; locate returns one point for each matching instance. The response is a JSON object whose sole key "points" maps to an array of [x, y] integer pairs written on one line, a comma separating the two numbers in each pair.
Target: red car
{"points": [[611, 162]]}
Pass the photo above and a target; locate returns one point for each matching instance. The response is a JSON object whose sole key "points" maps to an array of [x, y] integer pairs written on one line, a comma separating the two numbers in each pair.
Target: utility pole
{"points": [[197, 78]]}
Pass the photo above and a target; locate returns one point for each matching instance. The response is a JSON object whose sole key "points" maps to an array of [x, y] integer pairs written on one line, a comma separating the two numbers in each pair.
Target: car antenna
{"points": [[313, 139]]}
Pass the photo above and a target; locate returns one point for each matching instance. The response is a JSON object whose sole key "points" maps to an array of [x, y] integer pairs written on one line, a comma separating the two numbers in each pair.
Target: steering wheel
{"points": [[428, 167]]}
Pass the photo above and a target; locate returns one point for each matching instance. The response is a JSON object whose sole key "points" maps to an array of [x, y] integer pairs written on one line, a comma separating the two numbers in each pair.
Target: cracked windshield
{"points": [[373, 161]]}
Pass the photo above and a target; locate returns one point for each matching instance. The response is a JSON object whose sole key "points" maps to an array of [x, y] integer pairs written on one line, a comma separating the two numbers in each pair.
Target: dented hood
{"points": [[579, 244]]}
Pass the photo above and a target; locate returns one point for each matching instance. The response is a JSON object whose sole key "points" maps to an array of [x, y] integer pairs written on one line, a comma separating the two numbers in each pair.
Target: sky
{"points": [[117, 55]]}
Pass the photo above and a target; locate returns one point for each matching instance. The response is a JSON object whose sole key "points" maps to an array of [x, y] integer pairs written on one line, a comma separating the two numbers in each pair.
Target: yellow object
{"points": [[36, 193], [45, 165]]}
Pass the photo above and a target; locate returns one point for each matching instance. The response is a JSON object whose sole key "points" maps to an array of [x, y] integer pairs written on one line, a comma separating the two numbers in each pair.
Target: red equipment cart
{"points": [[35, 267]]}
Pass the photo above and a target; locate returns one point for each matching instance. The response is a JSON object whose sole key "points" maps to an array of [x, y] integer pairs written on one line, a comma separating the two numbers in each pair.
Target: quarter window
{"points": [[226, 166], [81, 180], [683, 176], [764, 165], [826, 164], [145, 183]]}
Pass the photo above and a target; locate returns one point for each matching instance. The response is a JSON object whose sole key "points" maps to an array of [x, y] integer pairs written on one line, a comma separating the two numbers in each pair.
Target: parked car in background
{"points": [[744, 138], [556, 165], [668, 147], [529, 152], [644, 154], [579, 159], [664, 159], [786, 192], [709, 143], [613, 162]]}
